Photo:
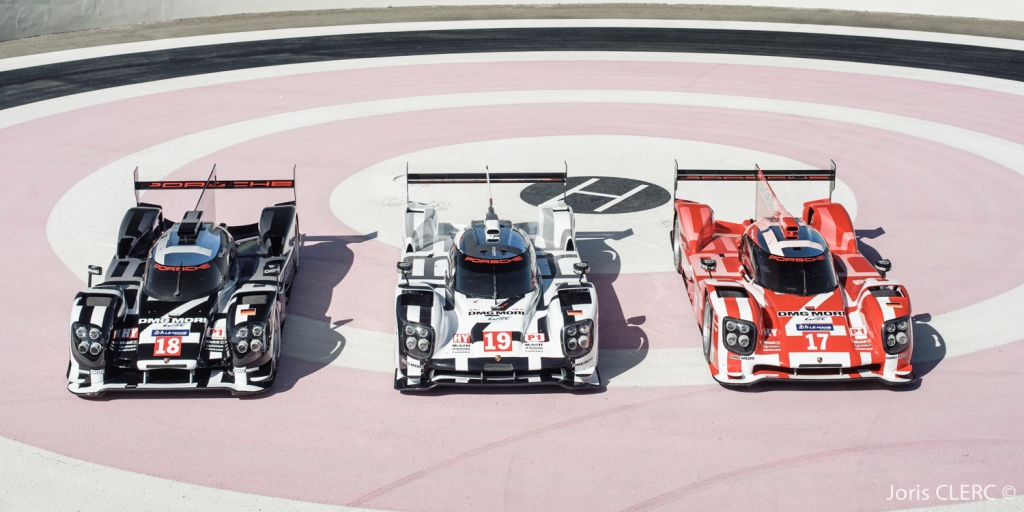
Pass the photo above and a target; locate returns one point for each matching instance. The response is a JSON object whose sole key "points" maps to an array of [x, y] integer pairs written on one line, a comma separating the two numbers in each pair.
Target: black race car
{"points": [[186, 305]]}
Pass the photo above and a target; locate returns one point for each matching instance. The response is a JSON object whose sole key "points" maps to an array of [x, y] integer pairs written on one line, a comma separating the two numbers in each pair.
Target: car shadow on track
{"points": [[324, 263], [624, 344], [929, 345]]}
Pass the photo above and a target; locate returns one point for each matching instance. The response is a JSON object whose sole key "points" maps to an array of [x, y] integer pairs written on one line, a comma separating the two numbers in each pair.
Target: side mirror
{"points": [[581, 268], [405, 268], [94, 270], [883, 266], [708, 264]]}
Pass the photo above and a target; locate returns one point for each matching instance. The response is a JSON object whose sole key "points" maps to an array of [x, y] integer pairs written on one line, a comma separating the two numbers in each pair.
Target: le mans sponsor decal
{"points": [[814, 327]]}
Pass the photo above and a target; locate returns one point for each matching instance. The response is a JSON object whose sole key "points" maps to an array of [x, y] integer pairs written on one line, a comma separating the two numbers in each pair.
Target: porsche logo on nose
{"points": [[497, 358], [819, 359]]}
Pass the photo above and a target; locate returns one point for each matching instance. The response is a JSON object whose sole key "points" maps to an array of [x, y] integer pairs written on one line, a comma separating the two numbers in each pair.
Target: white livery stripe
{"points": [[97, 315], [412, 314], [184, 308]]}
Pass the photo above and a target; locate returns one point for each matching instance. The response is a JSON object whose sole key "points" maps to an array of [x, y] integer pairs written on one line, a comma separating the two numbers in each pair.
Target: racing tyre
{"points": [[705, 332], [677, 256]]}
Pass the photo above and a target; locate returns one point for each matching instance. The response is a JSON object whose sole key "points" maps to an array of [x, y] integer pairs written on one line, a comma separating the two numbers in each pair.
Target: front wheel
{"points": [[706, 330], [677, 254]]}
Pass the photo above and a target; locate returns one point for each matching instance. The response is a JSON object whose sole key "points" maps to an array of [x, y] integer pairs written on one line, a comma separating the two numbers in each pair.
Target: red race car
{"points": [[784, 297]]}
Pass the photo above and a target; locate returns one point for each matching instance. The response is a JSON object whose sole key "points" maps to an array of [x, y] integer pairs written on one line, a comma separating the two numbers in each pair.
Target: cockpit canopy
{"points": [[185, 265], [501, 268], [799, 264]]}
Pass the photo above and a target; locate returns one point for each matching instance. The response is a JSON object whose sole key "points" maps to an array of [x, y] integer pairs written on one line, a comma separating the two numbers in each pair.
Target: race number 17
{"points": [[500, 341], [823, 336]]}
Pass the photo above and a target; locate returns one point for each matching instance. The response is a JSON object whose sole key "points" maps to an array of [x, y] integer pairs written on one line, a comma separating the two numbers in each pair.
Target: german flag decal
{"points": [[247, 312], [575, 312]]}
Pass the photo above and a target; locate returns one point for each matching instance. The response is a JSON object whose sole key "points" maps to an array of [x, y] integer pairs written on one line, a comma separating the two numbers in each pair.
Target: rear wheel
{"points": [[706, 330]]}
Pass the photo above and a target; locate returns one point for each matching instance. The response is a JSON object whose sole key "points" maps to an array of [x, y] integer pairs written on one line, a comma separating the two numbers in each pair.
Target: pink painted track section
{"points": [[336, 435]]}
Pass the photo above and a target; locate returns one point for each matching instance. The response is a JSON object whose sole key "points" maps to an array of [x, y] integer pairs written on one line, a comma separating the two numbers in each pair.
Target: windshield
{"points": [[798, 276], [494, 278], [181, 272]]}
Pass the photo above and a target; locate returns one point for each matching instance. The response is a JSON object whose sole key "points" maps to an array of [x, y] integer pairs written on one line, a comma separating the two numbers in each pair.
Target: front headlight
{"points": [[739, 336], [416, 340], [88, 339], [896, 335], [250, 338], [578, 338]]}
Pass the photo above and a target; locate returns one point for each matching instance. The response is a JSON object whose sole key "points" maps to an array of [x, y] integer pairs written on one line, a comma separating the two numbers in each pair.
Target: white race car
{"points": [[494, 303]]}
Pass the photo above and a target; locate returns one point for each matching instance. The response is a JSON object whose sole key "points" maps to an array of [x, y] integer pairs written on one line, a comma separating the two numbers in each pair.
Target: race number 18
{"points": [[497, 341], [167, 346]]}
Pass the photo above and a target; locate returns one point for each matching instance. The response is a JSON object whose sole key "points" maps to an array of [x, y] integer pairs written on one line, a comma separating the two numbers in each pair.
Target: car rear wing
{"points": [[483, 177], [755, 174], [208, 186]]}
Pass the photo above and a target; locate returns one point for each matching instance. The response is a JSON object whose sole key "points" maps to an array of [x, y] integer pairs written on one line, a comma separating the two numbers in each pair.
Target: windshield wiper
{"points": [[177, 284]]}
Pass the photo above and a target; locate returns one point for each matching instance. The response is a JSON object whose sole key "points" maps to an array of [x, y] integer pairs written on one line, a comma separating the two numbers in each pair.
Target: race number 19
{"points": [[497, 341], [166, 346]]}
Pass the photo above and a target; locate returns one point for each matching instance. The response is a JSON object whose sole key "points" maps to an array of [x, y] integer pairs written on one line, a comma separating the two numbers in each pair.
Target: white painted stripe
{"points": [[598, 194], [619, 199], [266, 35], [575, 190]]}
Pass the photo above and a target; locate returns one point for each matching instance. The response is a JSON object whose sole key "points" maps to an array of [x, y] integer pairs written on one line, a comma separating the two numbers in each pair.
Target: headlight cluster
{"points": [[88, 339], [250, 337], [896, 335], [578, 338], [416, 340], [740, 336]]}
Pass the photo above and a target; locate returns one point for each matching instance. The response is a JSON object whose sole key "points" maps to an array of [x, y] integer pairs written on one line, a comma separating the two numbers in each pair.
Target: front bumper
{"points": [[759, 373], [510, 371], [238, 381]]}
